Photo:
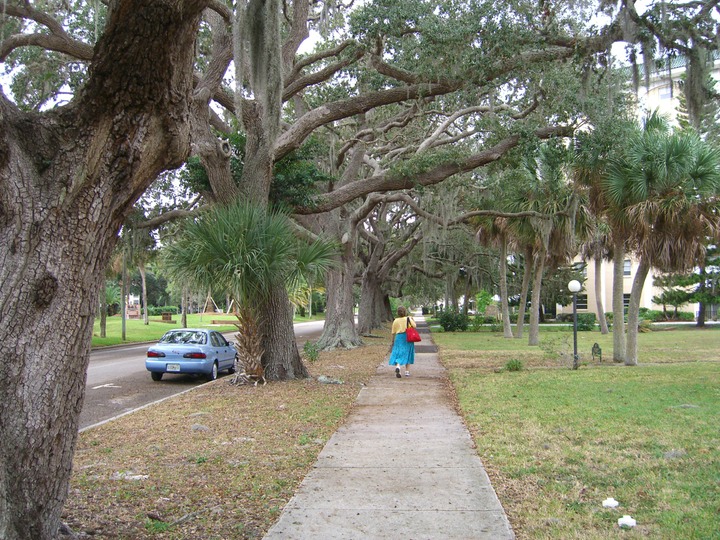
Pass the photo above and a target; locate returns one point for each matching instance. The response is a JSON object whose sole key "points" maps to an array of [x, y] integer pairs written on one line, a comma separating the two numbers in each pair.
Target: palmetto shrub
{"points": [[453, 321]]}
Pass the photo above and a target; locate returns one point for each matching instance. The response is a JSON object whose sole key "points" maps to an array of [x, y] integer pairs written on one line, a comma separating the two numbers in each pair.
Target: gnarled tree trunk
{"points": [[339, 331], [702, 288], [618, 303], [598, 297], [527, 274], [634, 312], [68, 179], [534, 334], [372, 312], [505, 308], [281, 359]]}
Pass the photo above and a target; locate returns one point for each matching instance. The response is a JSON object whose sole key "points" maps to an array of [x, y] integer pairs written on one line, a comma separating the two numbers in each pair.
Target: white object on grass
{"points": [[610, 503], [626, 522]]}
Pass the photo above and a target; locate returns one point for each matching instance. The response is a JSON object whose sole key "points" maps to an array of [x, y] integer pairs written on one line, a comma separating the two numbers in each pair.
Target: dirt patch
{"points": [[218, 462]]}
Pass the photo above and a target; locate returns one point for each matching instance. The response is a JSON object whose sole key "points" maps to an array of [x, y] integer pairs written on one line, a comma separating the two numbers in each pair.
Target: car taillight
{"points": [[195, 355], [155, 354]]}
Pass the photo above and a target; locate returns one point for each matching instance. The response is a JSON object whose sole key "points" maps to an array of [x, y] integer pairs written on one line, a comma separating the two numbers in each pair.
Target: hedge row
{"points": [[156, 311]]}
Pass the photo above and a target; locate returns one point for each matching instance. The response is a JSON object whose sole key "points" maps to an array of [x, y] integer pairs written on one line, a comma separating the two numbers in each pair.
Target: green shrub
{"points": [[514, 317], [482, 300], [479, 320], [586, 322], [156, 311], [644, 326], [319, 302], [514, 365], [453, 321], [311, 351], [657, 316]]}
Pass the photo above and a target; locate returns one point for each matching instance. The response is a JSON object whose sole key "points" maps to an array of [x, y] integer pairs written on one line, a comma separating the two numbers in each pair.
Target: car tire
{"points": [[232, 368], [156, 375], [213, 374]]}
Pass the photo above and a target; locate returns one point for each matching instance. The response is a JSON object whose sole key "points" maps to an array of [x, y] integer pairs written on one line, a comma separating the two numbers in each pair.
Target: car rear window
{"points": [[193, 338]]}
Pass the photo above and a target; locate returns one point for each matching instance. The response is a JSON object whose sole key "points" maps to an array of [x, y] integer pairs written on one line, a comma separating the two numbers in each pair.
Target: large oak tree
{"points": [[68, 179], [70, 174]]}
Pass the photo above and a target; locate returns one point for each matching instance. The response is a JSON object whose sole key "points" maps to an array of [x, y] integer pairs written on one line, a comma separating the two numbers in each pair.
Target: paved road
{"points": [[117, 381]]}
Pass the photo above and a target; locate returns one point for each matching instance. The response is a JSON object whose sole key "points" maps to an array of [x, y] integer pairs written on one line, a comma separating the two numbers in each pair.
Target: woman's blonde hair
{"points": [[401, 311]]}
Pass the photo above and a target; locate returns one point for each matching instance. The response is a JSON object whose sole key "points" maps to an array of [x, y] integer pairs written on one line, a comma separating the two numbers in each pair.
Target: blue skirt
{"points": [[403, 353]]}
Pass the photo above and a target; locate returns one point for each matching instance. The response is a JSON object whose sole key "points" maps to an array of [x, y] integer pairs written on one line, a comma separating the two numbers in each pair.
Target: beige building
{"points": [[586, 297], [662, 95]]}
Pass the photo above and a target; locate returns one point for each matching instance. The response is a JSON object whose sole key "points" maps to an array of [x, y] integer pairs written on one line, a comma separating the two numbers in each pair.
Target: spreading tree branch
{"points": [[435, 175]]}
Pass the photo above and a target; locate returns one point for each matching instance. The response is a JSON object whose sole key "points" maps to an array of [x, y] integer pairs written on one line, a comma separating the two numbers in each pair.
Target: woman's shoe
{"points": [[407, 373], [397, 372]]}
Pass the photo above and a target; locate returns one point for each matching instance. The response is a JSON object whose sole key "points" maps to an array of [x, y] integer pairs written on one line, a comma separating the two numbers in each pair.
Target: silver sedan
{"points": [[191, 350]]}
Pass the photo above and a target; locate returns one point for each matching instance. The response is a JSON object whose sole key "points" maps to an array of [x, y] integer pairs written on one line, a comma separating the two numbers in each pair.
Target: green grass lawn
{"points": [[665, 344], [557, 442], [136, 331]]}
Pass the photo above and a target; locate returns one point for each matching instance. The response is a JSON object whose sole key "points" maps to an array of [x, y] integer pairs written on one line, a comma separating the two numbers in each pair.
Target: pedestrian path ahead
{"points": [[402, 466]]}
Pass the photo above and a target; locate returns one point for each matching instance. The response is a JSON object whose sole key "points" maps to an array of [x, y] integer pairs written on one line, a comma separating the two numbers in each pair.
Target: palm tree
{"points": [[527, 257], [592, 153], [665, 185], [245, 250], [506, 191], [493, 231], [554, 239], [598, 247]]}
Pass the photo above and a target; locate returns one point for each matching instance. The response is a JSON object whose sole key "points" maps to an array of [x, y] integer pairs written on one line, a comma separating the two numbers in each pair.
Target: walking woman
{"points": [[402, 352]]}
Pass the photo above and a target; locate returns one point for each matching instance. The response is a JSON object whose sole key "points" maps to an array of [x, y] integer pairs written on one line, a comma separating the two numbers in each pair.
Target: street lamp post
{"points": [[574, 286]]}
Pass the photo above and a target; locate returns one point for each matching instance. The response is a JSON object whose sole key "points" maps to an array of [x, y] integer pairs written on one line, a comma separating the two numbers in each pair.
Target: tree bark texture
{"points": [[68, 179], [184, 306], [618, 303], [598, 297], [702, 289], [214, 153], [507, 328], [257, 170], [281, 358], [143, 282], [634, 312], [339, 331], [371, 311], [534, 333], [375, 310], [527, 274]]}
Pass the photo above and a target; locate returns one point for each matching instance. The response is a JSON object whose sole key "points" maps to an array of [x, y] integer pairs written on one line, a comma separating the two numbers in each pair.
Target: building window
{"points": [[582, 301], [626, 300], [627, 267]]}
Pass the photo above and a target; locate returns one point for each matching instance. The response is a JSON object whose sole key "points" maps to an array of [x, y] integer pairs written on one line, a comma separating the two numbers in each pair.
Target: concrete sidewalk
{"points": [[402, 466]]}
